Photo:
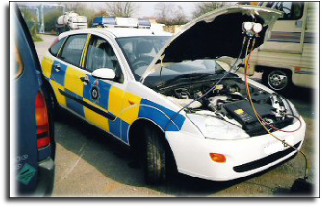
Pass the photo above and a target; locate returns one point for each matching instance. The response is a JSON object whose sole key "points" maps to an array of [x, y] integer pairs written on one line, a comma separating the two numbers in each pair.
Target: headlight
{"points": [[214, 128]]}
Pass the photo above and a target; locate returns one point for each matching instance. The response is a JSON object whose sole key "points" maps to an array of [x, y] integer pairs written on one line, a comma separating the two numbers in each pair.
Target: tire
{"points": [[155, 156], [52, 101], [278, 80]]}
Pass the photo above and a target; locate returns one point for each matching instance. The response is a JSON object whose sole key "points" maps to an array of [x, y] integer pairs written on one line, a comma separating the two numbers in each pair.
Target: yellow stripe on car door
{"points": [[47, 66], [73, 82], [95, 118], [60, 98], [115, 100]]}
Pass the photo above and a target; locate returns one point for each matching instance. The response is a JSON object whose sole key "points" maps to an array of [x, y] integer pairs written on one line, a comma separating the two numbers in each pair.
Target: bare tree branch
{"points": [[122, 9], [205, 7], [170, 14]]}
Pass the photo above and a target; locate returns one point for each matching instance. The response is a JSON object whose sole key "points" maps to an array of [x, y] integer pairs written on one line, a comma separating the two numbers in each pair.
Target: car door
{"points": [[103, 98], [68, 73]]}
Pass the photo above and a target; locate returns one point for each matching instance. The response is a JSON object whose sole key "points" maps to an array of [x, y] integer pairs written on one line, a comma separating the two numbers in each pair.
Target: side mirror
{"points": [[104, 73]]}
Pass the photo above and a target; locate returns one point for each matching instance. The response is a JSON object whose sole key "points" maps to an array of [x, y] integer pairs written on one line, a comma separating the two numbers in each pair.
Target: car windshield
{"points": [[140, 51]]}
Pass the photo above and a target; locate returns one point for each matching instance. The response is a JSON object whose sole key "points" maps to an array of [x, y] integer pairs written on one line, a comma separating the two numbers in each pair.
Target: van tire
{"points": [[155, 156], [279, 80]]}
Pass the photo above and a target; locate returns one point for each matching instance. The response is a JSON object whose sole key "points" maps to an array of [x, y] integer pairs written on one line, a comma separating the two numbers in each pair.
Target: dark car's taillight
{"points": [[42, 121]]}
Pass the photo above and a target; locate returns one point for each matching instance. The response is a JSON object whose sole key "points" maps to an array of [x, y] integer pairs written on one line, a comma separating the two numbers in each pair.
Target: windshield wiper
{"points": [[190, 76], [194, 76]]}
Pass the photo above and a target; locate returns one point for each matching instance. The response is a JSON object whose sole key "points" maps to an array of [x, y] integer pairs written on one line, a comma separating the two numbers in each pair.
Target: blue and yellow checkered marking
{"points": [[59, 77], [125, 106], [103, 88], [74, 105], [160, 115]]}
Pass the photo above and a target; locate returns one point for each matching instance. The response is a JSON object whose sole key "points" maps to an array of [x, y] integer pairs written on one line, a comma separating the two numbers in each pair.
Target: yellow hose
{"points": [[257, 114]]}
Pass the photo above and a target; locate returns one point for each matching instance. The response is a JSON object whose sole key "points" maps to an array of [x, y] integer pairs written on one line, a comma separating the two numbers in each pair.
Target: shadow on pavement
{"points": [[112, 158]]}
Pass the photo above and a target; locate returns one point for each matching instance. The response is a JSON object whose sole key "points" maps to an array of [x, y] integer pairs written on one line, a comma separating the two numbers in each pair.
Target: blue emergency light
{"points": [[121, 22]]}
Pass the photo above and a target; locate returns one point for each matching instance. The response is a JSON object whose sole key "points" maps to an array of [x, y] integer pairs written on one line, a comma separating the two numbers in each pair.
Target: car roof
{"points": [[119, 32]]}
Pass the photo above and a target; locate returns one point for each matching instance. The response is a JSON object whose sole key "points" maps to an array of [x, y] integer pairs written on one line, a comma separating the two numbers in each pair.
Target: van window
{"points": [[292, 10], [72, 50]]}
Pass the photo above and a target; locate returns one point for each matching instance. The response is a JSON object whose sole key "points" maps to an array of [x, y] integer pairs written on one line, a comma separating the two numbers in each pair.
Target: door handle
{"points": [[85, 79], [57, 67]]}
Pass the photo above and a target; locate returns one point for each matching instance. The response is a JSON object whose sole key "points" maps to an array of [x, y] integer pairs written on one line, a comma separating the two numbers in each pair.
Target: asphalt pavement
{"points": [[90, 162]]}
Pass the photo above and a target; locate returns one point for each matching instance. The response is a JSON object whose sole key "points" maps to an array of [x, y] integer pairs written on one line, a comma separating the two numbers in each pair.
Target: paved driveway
{"points": [[92, 163]]}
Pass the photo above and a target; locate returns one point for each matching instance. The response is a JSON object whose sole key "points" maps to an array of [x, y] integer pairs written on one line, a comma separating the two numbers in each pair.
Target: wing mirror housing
{"points": [[104, 74]]}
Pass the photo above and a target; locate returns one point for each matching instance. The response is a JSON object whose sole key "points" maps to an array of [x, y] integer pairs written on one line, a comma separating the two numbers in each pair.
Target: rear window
{"points": [[72, 49], [55, 48]]}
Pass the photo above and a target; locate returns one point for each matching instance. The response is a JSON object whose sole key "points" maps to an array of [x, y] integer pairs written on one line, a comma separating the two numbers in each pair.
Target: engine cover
{"points": [[242, 111]]}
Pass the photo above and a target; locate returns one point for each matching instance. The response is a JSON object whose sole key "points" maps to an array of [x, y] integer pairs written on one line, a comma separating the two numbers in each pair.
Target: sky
{"points": [[146, 9]]}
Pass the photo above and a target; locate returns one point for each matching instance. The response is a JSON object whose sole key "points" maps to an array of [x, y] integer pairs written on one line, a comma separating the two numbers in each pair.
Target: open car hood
{"points": [[213, 35]]}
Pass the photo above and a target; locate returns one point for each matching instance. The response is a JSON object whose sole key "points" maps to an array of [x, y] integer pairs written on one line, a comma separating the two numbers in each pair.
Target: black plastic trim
{"points": [[108, 115], [264, 161]]}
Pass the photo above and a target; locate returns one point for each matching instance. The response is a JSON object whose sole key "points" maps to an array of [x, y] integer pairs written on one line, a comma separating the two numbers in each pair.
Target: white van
{"points": [[288, 56]]}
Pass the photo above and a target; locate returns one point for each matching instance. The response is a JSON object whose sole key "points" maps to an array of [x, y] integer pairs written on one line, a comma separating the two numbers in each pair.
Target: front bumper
{"points": [[244, 157]]}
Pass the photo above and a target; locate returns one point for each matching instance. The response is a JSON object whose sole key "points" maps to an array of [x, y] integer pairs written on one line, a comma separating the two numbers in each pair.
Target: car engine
{"points": [[229, 102]]}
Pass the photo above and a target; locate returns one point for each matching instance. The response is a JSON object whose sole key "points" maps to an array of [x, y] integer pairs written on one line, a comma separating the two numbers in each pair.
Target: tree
{"points": [[169, 14], [164, 12], [179, 17], [77, 7], [205, 7], [32, 23], [31, 20], [50, 20], [122, 9]]}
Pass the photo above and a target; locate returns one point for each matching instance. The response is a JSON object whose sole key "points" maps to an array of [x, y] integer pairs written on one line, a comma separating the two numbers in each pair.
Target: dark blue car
{"points": [[35, 130]]}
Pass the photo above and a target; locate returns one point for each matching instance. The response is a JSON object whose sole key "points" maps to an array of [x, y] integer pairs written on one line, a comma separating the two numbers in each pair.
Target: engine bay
{"points": [[229, 102]]}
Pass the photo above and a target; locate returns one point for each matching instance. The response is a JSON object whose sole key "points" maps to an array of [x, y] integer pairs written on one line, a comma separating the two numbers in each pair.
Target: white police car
{"points": [[138, 85]]}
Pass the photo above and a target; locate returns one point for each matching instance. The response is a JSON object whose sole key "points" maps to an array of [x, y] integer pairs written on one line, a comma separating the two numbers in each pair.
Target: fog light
{"points": [[218, 157]]}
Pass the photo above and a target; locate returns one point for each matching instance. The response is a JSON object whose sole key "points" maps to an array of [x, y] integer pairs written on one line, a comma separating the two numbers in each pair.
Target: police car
{"points": [[154, 92]]}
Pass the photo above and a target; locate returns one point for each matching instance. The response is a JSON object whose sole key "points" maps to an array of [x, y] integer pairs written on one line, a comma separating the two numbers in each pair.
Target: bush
{"points": [[32, 23], [50, 20]]}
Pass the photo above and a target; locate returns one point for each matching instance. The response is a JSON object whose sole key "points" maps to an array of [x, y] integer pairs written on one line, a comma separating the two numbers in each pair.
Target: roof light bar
{"points": [[121, 22]]}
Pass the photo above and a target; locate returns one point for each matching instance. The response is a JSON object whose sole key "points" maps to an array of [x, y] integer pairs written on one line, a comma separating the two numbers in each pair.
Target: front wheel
{"points": [[278, 80], [155, 156]]}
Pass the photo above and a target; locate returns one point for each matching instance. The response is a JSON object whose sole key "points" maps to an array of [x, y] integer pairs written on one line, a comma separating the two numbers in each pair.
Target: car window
{"points": [[292, 10], [55, 48], [100, 54], [140, 51], [72, 50]]}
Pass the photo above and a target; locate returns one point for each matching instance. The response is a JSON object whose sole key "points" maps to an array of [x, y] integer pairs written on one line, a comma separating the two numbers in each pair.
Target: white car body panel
{"points": [[190, 148]]}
